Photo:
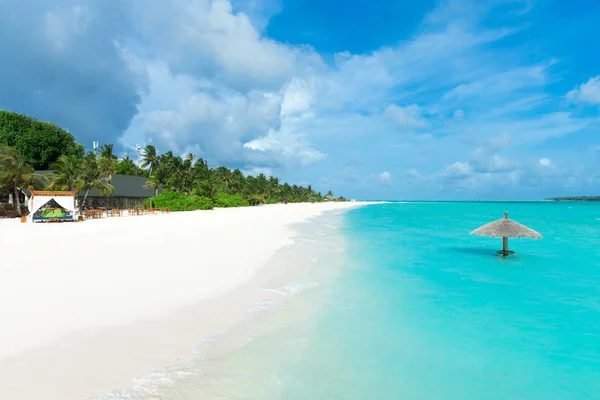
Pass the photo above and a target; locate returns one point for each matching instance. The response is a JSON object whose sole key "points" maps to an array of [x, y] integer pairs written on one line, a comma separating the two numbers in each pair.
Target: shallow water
{"points": [[415, 308]]}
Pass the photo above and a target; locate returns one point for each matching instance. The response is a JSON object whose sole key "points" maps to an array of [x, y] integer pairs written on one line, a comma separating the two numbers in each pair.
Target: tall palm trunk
{"points": [[85, 196], [17, 200]]}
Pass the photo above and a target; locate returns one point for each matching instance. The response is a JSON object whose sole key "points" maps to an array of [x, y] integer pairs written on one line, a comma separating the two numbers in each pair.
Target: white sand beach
{"points": [[87, 307]]}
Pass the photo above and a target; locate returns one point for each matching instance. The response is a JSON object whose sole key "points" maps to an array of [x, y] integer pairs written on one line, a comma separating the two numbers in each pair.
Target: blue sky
{"points": [[374, 99]]}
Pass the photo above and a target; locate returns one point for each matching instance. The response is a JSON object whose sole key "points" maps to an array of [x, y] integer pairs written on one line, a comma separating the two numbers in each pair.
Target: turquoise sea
{"points": [[403, 303]]}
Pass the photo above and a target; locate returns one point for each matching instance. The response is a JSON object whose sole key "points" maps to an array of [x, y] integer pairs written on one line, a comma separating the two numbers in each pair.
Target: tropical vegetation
{"points": [[192, 177], [38, 143], [15, 175], [177, 201], [179, 183]]}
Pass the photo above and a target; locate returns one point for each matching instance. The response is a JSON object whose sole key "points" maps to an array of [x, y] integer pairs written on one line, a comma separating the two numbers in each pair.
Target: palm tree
{"points": [[238, 181], [274, 189], [92, 177], [154, 183], [66, 173], [150, 158], [189, 164], [126, 166], [15, 174], [108, 166], [261, 183], [107, 151], [225, 176], [210, 185]]}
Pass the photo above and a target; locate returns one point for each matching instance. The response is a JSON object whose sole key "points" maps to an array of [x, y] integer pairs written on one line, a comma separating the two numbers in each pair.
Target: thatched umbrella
{"points": [[506, 228]]}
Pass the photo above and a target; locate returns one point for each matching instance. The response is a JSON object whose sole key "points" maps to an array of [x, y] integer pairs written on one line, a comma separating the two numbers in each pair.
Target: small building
{"points": [[130, 192]]}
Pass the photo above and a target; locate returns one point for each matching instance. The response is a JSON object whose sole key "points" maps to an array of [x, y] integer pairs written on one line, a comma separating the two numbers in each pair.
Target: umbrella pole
{"points": [[505, 246]]}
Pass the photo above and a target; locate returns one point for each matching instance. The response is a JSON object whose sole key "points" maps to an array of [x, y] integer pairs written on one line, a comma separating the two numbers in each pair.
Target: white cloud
{"points": [[212, 80], [179, 111], [504, 82], [545, 162], [458, 170], [385, 176], [287, 145], [306, 97], [283, 147], [297, 99], [483, 161], [588, 92], [410, 116], [205, 38]]}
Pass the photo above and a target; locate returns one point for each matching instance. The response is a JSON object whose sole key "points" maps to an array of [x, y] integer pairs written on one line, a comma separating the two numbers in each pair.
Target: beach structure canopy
{"points": [[506, 228], [38, 199]]}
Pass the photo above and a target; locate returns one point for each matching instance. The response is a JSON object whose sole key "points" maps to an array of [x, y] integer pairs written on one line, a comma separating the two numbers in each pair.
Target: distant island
{"points": [[576, 198]]}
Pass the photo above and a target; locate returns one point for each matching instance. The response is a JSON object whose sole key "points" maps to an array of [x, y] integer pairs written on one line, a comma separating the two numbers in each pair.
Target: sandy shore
{"points": [[87, 307]]}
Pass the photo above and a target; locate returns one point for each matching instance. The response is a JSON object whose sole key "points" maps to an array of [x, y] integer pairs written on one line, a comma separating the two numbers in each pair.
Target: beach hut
{"points": [[65, 200], [506, 228]]}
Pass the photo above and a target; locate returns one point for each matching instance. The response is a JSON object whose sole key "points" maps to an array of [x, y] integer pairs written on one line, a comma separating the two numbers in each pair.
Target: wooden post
{"points": [[505, 246]]}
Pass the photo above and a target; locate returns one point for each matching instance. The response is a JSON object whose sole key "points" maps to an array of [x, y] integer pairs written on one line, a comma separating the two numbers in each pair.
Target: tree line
{"points": [[27, 145], [575, 198]]}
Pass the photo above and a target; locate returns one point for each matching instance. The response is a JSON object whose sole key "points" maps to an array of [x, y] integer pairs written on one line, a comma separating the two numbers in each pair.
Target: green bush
{"points": [[230, 200], [39, 143], [177, 201], [271, 200]]}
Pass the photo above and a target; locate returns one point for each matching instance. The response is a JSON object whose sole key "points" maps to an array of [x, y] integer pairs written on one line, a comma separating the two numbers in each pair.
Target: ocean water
{"points": [[400, 302]]}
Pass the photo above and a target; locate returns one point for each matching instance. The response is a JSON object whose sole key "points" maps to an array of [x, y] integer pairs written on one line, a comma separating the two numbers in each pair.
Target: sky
{"points": [[377, 99]]}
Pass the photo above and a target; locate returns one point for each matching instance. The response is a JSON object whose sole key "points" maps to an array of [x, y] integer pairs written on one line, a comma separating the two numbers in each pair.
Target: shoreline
{"points": [[83, 359]]}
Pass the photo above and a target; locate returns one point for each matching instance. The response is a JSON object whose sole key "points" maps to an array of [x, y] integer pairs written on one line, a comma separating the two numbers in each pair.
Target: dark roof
{"points": [[125, 186], [128, 186]]}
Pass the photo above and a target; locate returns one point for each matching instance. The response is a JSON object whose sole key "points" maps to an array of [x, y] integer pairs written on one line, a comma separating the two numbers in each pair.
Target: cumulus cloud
{"points": [[203, 75], [206, 38], [179, 111], [286, 144], [545, 162], [458, 170], [283, 148], [588, 92], [483, 161]]}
